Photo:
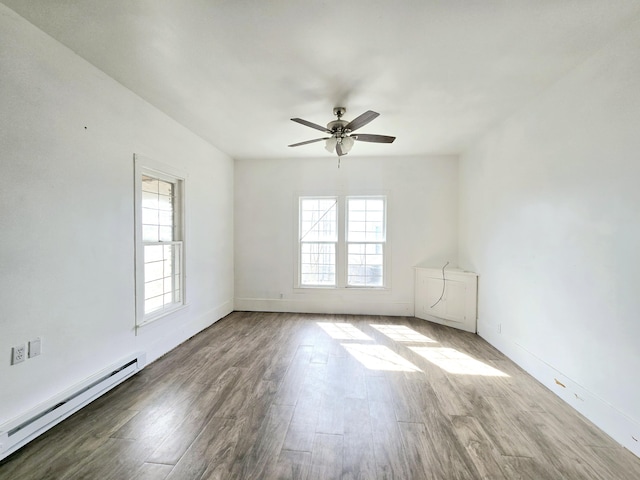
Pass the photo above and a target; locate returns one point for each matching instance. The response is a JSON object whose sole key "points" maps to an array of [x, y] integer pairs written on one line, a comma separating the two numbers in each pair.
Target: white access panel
{"points": [[458, 306]]}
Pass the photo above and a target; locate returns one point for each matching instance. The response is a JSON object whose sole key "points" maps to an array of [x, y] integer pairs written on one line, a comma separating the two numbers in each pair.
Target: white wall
{"points": [[67, 138], [422, 227], [550, 218]]}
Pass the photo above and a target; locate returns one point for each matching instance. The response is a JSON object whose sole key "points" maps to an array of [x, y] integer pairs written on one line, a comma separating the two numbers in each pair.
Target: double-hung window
{"points": [[366, 237], [342, 241], [159, 243]]}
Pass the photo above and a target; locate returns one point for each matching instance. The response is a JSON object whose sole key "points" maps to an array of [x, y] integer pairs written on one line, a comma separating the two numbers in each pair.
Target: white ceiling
{"points": [[235, 71]]}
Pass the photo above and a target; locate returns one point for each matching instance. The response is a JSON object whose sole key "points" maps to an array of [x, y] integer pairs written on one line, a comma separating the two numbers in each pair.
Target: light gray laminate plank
{"points": [[291, 385], [390, 456], [302, 428], [478, 446], [293, 465], [198, 416], [152, 471], [259, 460], [436, 451], [65, 446], [326, 457], [358, 458], [213, 447], [115, 459], [499, 419], [614, 462], [526, 468], [560, 451]]}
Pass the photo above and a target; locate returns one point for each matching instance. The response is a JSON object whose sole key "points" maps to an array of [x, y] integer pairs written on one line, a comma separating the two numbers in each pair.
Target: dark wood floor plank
{"points": [[277, 396]]}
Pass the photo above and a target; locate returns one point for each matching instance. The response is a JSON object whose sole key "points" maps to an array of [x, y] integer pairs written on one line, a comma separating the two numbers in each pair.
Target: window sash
{"points": [[318, 264], [163, 289], [365, 264]]}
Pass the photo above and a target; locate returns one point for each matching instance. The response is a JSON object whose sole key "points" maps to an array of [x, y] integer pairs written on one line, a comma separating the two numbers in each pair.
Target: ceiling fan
{"points": [[341, 137]]}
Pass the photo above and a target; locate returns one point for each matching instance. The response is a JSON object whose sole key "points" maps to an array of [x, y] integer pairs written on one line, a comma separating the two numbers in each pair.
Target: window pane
{"points": [[149, 200], [365, 265], [153, 304], [366, 222], [153, 271], [165, 234], [318, 264], [165, 217], [165, 188], [149, 184], [150, 233], [162, 276], [153, 289], [152, 253], [149, 216], [164, 202], [318, 219]]}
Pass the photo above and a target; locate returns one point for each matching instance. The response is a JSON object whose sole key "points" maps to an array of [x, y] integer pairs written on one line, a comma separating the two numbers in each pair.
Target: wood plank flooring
{"points": [[291, 396]]}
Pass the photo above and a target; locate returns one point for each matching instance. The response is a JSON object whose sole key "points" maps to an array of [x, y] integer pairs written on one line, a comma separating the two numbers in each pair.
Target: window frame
{"points": [[144, 166], [341, 256]]}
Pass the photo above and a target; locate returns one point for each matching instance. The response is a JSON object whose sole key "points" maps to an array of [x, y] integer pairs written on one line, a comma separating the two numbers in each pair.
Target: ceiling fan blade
{"points": [[362, 120], [309, 141], [310, 124], [339, 150], [366, 137]]}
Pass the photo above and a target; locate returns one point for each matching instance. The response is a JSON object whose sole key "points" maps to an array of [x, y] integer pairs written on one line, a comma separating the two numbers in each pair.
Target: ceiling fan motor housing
{"points": [[337, 126]]}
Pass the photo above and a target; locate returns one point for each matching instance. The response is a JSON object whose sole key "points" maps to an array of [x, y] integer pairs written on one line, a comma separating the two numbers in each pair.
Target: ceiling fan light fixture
{"points": [[330, 144], [347, 144]]}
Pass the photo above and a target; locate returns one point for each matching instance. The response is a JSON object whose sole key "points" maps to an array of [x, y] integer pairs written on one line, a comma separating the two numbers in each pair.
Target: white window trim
{"points": [[147, 166], [341, 250]]}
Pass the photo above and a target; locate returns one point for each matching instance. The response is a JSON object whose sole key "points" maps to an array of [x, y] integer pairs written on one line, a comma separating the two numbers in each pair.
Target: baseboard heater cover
{"points": [[19, 432]]}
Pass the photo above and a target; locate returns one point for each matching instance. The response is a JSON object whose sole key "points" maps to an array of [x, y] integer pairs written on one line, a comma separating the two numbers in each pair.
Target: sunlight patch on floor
{"points": [[453, 361], [379, 357], [343, 331], [402, 333]]}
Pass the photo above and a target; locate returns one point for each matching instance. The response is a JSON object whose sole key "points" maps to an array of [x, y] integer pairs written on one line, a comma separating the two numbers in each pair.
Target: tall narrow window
{"points": [[318, 241], [366, 238], [159, 246]]}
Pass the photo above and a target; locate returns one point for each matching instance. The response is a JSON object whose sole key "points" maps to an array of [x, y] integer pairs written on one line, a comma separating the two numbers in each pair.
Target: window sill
{"points": [[337, 290], [164, 314]]}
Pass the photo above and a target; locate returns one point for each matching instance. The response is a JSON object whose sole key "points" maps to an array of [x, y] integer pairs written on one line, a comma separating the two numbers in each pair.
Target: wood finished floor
{"points": [[290, 396]]}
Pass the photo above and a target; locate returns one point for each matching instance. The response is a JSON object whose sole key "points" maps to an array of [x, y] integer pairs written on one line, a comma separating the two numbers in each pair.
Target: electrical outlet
{"points": [[18, 354], [35, 347]]}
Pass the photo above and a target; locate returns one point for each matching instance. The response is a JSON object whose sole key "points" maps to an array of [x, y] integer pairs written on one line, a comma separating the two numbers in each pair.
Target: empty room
{"points": [[319, 240]]}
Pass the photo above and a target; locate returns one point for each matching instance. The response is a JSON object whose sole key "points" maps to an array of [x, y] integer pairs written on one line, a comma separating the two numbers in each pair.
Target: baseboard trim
{"points": [[612, 421], [324, 305]]}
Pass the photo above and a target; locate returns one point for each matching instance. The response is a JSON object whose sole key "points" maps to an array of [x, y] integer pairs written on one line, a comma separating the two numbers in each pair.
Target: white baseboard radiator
{"points": [[22, 430]]}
